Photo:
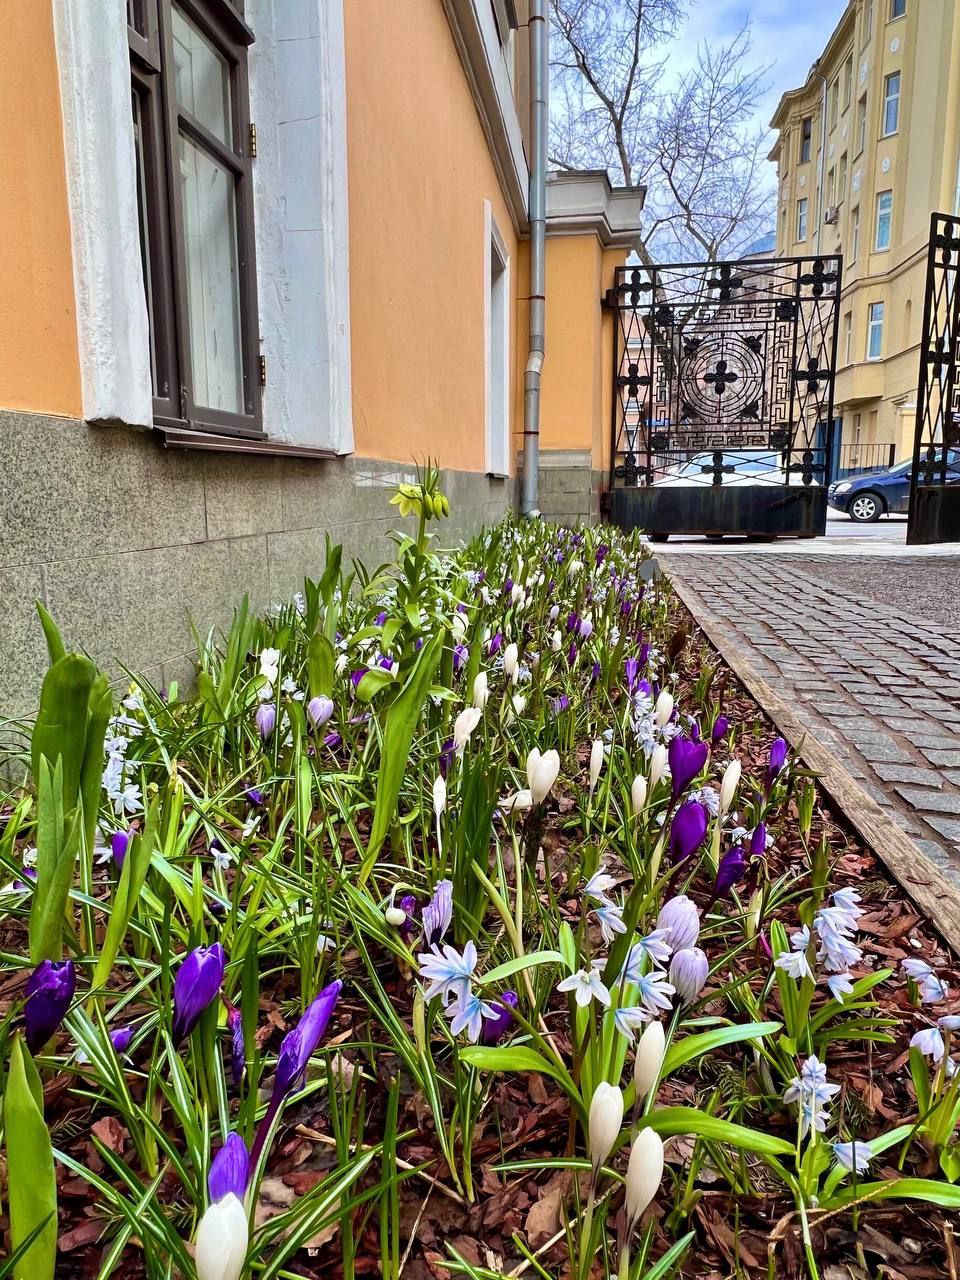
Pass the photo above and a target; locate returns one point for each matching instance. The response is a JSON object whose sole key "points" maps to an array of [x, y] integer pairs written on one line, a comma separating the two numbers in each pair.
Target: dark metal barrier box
{"points": [[775, 510]]}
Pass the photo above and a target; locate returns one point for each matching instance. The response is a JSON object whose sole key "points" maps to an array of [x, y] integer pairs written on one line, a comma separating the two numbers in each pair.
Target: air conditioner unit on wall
{"points": [[832, 215]]}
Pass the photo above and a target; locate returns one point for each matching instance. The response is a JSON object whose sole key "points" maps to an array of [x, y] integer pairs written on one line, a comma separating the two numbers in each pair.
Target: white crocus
{"points": [[439, 795], [664, 708], [542, 773], [458, 626], [270, 664], [728, 787], [519, 802], [649, 1059], [511, 659], [644, 1172], [658, 765], [556, 641], [605, 1122], [464, 725], [222, 1237], [596, 763], [481, 691], [638, 793], [575, 567]]}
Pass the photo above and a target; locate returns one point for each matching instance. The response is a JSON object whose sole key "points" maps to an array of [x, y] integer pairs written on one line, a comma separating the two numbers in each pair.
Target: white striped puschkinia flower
{"points": [[853, 1156], [610, 919], [654, 949], [587, 985], [448, 971], [628, 1019], [794, 963], [599, 883], [841, 985], [654, 991], [930, 1043], [812, 1093], [467, 1014]]}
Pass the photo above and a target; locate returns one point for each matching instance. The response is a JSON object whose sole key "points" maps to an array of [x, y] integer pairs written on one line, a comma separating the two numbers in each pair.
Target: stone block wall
{"points": [[125, 542], [569, 487]]}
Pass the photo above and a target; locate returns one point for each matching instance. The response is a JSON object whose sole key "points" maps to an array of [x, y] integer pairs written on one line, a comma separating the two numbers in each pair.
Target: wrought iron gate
{"points": [[935, 479], [723, 396]]}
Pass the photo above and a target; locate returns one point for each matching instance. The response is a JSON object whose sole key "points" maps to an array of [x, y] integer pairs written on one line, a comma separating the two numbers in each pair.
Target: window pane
{"points": [[145, 235], [202, 78], [136, 17], [213, 295]]}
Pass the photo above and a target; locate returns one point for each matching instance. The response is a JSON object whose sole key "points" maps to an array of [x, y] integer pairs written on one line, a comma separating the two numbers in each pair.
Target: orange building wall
{"points": [[419, 169], [39, 361]]}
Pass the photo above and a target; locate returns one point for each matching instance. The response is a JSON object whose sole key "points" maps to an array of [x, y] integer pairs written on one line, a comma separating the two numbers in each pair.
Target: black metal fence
{"points": [[935, 481], [862, 459], [723, 378]]}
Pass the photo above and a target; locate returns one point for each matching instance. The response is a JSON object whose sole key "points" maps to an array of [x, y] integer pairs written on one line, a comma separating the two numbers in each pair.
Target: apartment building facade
{"points": [[258, 258], [866, 150]]}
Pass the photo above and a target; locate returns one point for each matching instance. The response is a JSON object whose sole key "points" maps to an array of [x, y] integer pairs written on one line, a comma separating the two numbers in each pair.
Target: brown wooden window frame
{"points": [[161, 120]]}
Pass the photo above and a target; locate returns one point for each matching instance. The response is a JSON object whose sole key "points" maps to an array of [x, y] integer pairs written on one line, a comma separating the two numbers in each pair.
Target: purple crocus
{"points": [[238, 1054], [296, 1049], [319, 710], [461, 655], [120, 846], [409, 906], [447, 753], [49, 991], [380, 619], [120, 1039], [560, 704], [22, 886], [230, 1170], [438, 914], [688, 973], [573, 622], [720, 728], [732, 868], [688, 830], [686, 758], [758, 841], [496, 641], [778, 758], [631, 672], [195, 987], [254, 797], [493, 1029], [602, 553], [332, 740], [266, 719]]}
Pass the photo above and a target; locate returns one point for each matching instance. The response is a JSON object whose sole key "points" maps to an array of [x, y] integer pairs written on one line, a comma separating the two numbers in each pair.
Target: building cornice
{"points": [[474, 27], [583, 201]]}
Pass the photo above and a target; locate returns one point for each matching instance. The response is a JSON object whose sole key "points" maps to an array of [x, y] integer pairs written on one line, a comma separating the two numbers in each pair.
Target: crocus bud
{"points": [[492, 1029], [658, 764], [481, 691], [298, 1045], [574, 568], [519, 802], [511, 659], [266, 719], [596, 763], [664, 708], [49, 991], [229, 1170], [688, 973], [238, 1052], [119, 846], [638, 793], [778, 758], [732, 868], [688, 830], [195, 987], [606, 1118], [687, 756], [681, 917], [554, 612], [728, 787], [439, 795], [720, 728], [222, 1238], [556, 641], [319, 710], [542, 773], [464, 725], [644, 1173], [649, 1059]]}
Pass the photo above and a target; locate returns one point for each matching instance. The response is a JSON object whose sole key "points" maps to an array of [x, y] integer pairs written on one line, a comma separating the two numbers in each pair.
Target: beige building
{"points": [[866, 150]]}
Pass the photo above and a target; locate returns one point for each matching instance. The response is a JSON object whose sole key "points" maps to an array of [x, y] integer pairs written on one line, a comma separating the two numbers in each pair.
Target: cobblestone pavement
{"points": [[864, 650]]}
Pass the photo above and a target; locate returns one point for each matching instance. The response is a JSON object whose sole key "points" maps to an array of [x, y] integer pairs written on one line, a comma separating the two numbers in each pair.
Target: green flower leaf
{"points": [[32, 1183]]}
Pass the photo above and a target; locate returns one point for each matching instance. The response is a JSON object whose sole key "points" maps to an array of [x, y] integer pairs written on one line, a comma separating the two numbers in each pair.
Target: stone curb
{"points": [[911, 869]]}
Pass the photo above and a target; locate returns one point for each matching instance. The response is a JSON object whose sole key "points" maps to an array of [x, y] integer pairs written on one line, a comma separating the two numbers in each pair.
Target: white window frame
{"points": [[875, 318], [854, 233], [861, 123], [880, 214], [891, 100], [496, 346], [801, 221]]}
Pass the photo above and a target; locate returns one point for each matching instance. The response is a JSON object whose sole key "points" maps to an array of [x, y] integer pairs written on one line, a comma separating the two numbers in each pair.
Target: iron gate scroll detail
{"points": [[935, 478], [723, 395]]}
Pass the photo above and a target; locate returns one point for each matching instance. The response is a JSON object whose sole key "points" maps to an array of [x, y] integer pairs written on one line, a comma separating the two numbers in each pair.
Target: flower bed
{"points": [[467, 920]]}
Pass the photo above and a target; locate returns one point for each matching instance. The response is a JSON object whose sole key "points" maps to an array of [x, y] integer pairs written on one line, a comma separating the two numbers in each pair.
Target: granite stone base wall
{"points": [[569, 487], [125, 542]]}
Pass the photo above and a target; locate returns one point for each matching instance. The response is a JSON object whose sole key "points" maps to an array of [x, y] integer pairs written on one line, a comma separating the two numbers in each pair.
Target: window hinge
{"points": [[253, 142], [263, 371]]}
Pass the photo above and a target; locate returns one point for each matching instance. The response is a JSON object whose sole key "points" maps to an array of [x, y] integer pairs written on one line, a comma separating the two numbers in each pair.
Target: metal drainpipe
{"points": [[823, 159], [538, 36]]}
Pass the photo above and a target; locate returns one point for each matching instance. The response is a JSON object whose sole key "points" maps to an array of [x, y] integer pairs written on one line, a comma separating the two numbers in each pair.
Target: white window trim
{"points": [[497, 459], [873, 327], [877, 246], [306, 337], [889, 97]]}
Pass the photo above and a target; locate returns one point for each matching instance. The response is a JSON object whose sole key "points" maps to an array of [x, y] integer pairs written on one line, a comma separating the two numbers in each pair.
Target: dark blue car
{"points": [[867, 498]]}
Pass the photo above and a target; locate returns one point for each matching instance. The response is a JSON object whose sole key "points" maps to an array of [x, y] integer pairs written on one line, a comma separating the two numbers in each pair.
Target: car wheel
{"points": [[865, 508]]}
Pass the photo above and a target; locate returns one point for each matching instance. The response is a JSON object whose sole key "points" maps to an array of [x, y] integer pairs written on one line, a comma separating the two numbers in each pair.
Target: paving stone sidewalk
{"points": [[878, 684]]}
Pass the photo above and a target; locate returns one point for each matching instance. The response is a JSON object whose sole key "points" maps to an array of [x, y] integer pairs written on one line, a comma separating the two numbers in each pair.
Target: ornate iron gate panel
{"points": [[723, 395], [935, 479]]}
